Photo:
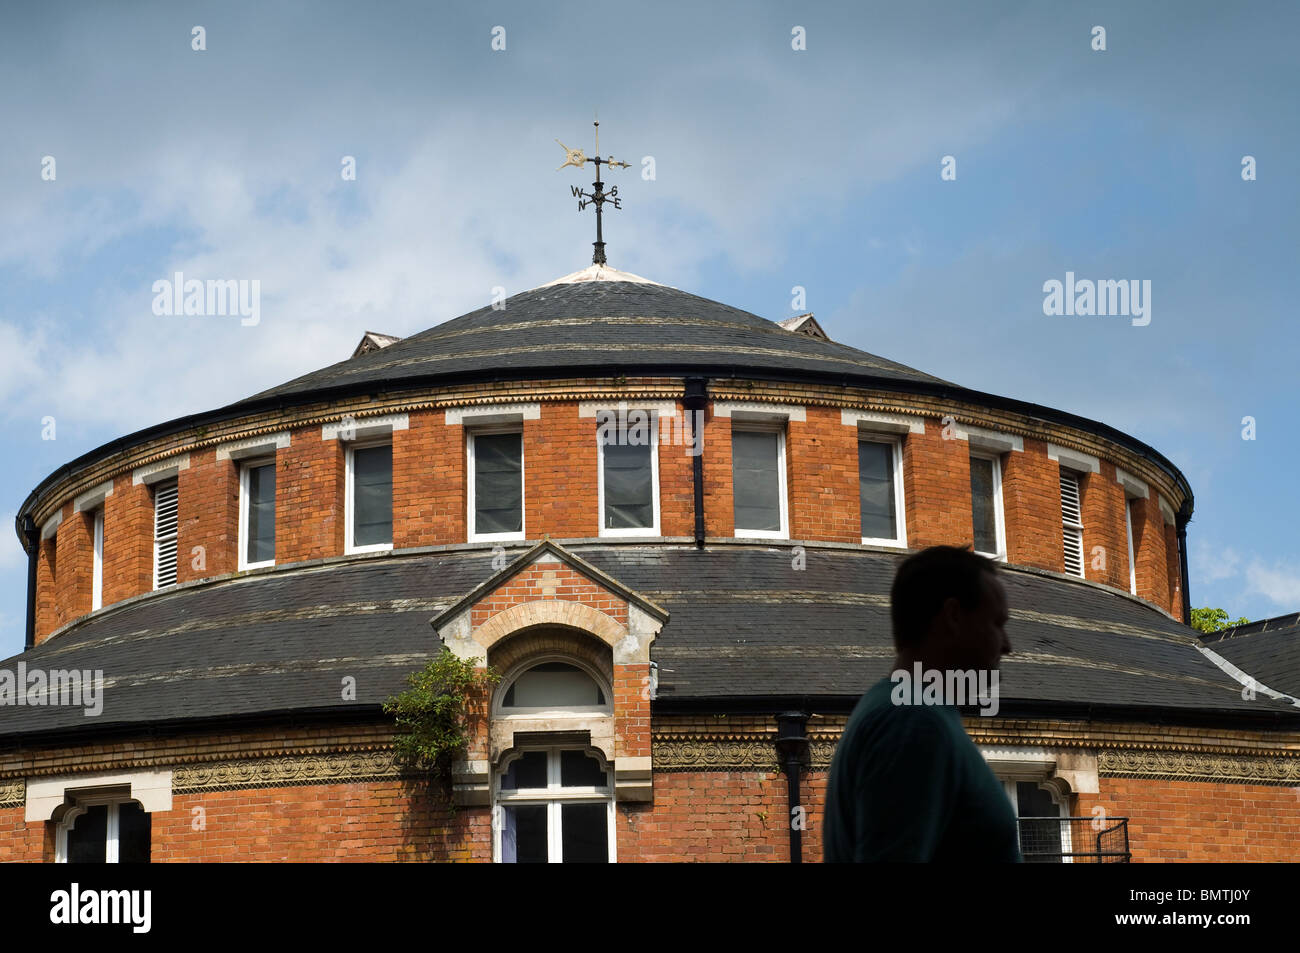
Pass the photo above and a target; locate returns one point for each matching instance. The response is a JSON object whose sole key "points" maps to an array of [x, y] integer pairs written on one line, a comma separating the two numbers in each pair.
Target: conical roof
{"points": [[607, 321]]}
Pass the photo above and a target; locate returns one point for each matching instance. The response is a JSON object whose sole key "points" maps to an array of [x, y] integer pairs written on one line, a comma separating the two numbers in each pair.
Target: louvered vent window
{"points": [[1072, 523], [164, 534]]}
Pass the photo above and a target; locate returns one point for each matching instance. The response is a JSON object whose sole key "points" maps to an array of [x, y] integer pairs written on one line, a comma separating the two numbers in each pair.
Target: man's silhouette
{"points": [[907, 783]]}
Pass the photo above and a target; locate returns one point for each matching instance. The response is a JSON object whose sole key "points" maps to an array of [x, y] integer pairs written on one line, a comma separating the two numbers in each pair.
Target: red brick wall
{"points": [[1031, 503], [429, 495], [560, 460], [47, 610], [1174, 821], [75, 560], [128, 540], [309, 486], [1101, 502], [936, 484], [1174, 572], [561, 501], [676, 475], [207, 514], [363, 821], [719, 816], [822, 476], [695, 815]]}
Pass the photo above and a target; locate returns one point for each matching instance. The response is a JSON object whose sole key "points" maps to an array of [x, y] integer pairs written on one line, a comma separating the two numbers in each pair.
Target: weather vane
{"points": [[597, 198]]}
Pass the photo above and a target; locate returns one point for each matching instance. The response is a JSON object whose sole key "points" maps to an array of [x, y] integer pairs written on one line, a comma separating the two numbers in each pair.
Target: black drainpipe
{"points": [[33, 554], [793, 755], [1181, 519], [696, 398]]}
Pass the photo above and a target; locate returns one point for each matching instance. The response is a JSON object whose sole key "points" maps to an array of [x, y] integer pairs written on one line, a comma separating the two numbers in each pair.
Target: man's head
{"points": [[949, 610]]}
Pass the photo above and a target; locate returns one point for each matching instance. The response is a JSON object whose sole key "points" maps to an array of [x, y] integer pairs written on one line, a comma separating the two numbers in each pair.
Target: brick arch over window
{"points": [[526, 616], [512, 651]]}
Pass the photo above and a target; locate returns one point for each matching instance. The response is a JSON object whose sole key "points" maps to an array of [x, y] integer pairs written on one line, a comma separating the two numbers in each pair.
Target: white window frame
{"points": [[777, 427], [173, 537], [554, 797], [900, 510], [245, 467], [653, 528], [112, 831], [97, 562], [349, 501], [1128, 530], [471, 479], [1062, 807], [999, 519]]}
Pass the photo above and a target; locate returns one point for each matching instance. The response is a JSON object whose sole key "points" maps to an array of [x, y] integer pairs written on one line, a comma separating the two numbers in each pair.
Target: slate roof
{"points": [[1268, 650], [607, 326], [743, 625]]}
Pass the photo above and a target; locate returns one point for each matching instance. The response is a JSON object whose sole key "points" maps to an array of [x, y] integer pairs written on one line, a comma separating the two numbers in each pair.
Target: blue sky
{"points": [[774, 168]]}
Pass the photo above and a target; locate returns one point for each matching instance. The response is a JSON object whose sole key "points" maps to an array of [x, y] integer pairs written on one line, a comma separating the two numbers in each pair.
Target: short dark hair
{"points": [[926, 580]]}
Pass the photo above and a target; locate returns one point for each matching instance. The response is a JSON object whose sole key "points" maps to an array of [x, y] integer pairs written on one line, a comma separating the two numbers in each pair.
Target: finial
{"points": [[599, 196]]}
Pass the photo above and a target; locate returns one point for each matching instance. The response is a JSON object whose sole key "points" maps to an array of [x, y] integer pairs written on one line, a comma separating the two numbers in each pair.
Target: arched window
{"points": [[553, 686], [553, 790], [102, 829]]}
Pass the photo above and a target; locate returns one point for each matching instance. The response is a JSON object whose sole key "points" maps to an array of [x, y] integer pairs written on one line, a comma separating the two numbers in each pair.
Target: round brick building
{"points": [[671, 525]]}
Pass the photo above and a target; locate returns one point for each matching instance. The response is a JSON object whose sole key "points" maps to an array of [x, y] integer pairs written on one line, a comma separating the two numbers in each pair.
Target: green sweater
{"points": [[908, 784]]}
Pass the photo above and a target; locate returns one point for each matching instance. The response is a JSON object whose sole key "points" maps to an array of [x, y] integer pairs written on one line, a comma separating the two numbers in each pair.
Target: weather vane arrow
{"points": [[598, 197]]}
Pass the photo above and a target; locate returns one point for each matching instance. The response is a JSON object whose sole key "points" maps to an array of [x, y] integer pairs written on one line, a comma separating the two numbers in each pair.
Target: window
{"points": [[103, 830], [553, 686], [880, 485], [986, 506], [758, 479], [554, 805], [1128, 532], [97, 569], [257, 514], [629, 477], [496, 484], [1072, 522], [165, 501], [1043, 837], [369, 505]]}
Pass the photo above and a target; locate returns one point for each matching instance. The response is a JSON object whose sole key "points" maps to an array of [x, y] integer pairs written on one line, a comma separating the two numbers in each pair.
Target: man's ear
{"points": [[949, 618]]}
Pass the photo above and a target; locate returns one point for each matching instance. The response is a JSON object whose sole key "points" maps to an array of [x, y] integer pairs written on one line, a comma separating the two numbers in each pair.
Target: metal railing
{"points": [[1074, 840]]}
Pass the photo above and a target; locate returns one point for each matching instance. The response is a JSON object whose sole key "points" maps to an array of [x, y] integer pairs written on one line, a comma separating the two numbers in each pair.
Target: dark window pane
{"points": [[755, 480], [982, 505], [133, 834], [498, 483], [585, 833], [580, 770], [1038, 836], [876, 478], [261, 513], [553, 685], [372, 496], [523, 834], [88, 837], [629, 487], [527, 771]]}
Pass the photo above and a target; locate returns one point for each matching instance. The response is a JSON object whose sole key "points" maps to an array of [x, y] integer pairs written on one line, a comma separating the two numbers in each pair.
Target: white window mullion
{"points": [[113, 831]]}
